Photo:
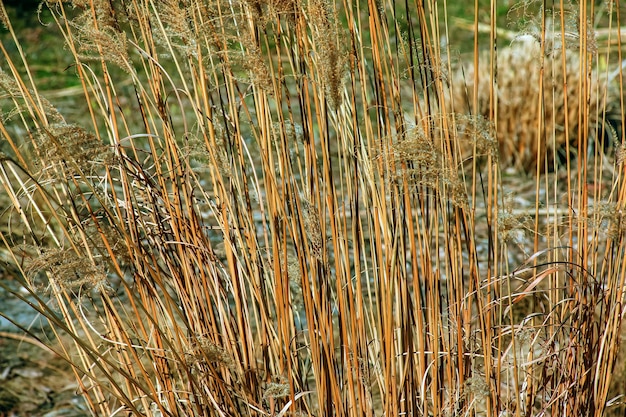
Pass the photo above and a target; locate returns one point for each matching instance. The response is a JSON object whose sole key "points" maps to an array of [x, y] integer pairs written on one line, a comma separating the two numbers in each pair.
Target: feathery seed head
{"points": [[313, 228], [277, 389], [69, 147], [68, 269]]}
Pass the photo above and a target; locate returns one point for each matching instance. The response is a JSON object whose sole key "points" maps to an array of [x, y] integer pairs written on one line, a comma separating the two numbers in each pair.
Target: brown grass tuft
{"points": [[530, 86]]}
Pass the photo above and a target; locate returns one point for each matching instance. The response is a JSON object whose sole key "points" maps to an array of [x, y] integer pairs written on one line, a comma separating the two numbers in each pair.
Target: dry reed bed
{"points": [[279, 220]]}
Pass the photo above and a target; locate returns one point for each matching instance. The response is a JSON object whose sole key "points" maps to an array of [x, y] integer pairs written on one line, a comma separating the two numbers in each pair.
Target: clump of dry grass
{"points": [[294, 211], [541, 90]]}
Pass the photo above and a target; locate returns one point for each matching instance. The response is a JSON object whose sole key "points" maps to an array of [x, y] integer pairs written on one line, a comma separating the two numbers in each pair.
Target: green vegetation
{"points": [[315, 208]]}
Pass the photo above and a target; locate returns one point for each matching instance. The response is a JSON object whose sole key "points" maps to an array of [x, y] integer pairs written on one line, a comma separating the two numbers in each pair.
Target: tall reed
{"points": [[303, 208]]}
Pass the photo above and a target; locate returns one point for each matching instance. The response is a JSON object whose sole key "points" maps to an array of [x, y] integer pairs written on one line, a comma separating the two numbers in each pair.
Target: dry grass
{"points": [[300, 209]]}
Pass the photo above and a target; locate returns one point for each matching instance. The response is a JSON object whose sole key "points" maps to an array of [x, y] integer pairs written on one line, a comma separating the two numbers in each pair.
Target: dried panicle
{"points": [[68, 269], [436, 68], [295, 293], [17, 106], [222, 161], [524, 13], [103, 10], [616, 222], [454, 189], [213, 353], [196, 149], [590, 38], [606, 218], [333, 69], [71, 147], [511, 225], [176, 17], [330, 59], [479, 132], [294, 274], [293, 132], [424, 161], [313, 228], [265, 11], [262, 12], [287, 8], [105, 237], [204, 351], [620, 154], [476, 386], [525, 334], [293, 268], [4, 18], [363, 366], [98, 40], [599, 215], [418, 149], [252, 60], [216, 31], [256, 8], [320, 14], [558, 40], [278, 389]]}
